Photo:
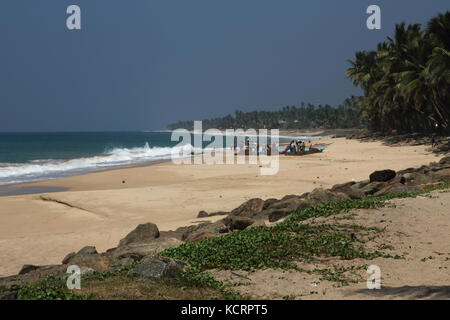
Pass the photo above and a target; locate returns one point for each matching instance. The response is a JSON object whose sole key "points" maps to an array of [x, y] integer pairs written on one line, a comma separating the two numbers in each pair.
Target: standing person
{"points": [[292, 146], [433, 140]]}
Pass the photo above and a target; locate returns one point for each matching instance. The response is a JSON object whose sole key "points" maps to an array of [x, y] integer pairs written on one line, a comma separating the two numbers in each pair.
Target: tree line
{"points": [[406, 81], [305, 116]]}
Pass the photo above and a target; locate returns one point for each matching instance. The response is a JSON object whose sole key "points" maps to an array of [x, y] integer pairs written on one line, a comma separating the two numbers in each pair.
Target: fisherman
{"points": [[299, 146], [292, 146]]}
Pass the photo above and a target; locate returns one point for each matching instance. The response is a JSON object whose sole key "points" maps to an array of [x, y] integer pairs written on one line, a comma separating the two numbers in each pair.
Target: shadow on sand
{"points": [[410, 292]]}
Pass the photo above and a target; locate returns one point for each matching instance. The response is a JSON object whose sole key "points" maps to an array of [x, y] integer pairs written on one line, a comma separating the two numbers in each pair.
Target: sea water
{"points": [[26, 157]]}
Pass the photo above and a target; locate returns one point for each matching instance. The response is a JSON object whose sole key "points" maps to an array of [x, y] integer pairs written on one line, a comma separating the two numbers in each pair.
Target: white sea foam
{"points": [[53, 168]]}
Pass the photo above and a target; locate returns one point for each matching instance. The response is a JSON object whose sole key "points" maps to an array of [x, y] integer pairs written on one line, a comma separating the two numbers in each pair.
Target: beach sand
{"points": [[101, 208]]}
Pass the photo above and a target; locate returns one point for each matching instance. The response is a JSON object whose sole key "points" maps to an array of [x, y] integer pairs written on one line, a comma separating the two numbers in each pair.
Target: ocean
{"points": [[26, 157]]}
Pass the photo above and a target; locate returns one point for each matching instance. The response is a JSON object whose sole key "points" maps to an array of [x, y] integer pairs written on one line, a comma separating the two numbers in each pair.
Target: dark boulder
{"points": [[372, 188], [395, 188], [445, 160], [26, 268], [284, 208], [188, 230], [237, 222], [68, 257], [88, 250], [322, 196], [72, 257], [202, 214], [346, 188], [382, 176], [138, 250], [269, 202], [158, 267], [171, 234], [143, 232], [249, 208]]}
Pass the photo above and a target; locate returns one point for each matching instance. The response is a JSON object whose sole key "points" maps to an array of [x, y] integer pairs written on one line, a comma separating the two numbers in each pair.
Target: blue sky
{"points": [[140, 64]]}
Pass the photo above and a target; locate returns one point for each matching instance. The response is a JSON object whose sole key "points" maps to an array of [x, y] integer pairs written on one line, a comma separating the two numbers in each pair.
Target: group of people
{"points": [[299, 146]]}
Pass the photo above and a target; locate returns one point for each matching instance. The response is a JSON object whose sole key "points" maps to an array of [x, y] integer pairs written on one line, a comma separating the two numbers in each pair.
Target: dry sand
{"points": [[99, 209]]}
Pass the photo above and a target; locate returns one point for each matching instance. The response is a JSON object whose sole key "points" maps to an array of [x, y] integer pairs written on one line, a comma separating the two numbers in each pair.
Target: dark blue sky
{"points": [[140, 64]]}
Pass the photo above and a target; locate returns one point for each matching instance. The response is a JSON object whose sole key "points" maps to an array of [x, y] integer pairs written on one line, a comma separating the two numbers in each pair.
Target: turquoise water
{"points": [[36, 156]]}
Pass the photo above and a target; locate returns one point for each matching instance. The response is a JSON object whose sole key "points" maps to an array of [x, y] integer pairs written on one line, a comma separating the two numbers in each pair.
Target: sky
{"points": [[141, 64]]}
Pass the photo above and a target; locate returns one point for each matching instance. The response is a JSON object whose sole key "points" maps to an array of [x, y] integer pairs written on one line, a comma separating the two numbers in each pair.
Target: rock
{"points": [[336, 187], [407, 177], [321, 196], [415, 178], [346, 188], [87, 250], [202, 214], [122, 263], [158, 267], [143, 232], [138, 250], [441, 175], [171, 234], [68, 257], [76, 258], [218, 213], [187, 231], [382, 176], [95, 261], [289, 196], [28, 268], [256, 224], [395, 188], [217, 228], [445, 160], [372, 188], [269, 202], [201, 236], [284, 208], [237, 222], [249, 208], [359, 185], [13, 283]]}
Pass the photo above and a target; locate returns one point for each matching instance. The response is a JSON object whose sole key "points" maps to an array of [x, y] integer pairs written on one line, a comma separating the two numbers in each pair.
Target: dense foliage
{"points": [[290, 117], [406, 81]]}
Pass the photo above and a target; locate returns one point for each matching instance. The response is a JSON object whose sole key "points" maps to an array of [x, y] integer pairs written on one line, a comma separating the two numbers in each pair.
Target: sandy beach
{"points": [[101, 208]]}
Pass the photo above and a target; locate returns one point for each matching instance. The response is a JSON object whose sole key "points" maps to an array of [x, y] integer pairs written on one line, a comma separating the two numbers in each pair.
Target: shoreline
{"points": [[34, 187], [7, 190]]}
